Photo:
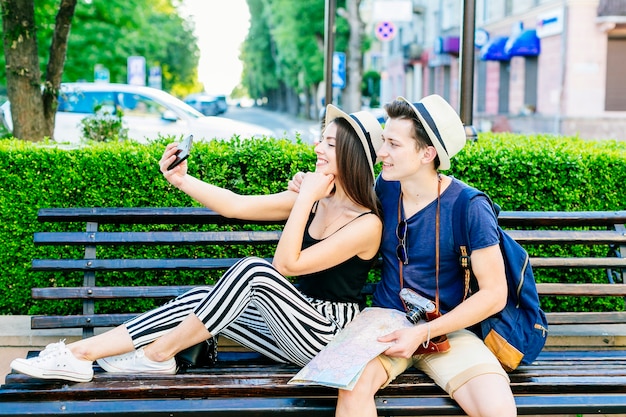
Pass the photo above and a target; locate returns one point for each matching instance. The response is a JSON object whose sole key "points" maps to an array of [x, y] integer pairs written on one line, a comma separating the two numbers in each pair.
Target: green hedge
{"points": [[518, 172]]}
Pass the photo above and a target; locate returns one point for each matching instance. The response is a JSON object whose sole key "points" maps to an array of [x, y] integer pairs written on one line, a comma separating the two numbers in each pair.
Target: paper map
{"points": [[342, 361]]}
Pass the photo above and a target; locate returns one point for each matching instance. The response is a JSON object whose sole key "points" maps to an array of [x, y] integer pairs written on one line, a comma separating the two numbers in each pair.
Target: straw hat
{"points": [[443, 125], [366, 126]]}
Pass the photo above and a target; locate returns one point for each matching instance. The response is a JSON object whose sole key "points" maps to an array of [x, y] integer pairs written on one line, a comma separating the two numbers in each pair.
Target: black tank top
{"points": [[342, 282]]}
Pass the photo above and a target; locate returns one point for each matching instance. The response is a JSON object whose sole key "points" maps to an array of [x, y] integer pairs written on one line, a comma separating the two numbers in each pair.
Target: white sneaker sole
{"points": [[22, 366], [109, 367]]}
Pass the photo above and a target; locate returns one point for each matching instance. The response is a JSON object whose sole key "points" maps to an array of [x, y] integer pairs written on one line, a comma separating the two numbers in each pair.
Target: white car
{"points": [[148, 113]]}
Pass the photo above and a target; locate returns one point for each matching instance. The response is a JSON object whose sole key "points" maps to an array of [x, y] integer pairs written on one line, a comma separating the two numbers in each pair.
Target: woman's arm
{"points": [[223, 201], [360, 237]]}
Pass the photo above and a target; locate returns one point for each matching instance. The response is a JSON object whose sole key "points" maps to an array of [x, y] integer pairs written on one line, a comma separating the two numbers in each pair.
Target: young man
{"points": [[418, 253]]}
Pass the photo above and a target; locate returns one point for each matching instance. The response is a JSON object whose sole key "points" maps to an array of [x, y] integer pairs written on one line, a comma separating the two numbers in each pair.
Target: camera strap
{"points": [[436, 245]]}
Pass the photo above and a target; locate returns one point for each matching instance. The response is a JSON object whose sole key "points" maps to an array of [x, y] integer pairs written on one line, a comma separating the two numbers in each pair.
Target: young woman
{"points": [[329, 242]]}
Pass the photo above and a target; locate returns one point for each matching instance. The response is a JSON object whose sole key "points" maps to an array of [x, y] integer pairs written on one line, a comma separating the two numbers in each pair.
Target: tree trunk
{"points": [[354, 58], [56, 61], [33, 110], [22, 69]]}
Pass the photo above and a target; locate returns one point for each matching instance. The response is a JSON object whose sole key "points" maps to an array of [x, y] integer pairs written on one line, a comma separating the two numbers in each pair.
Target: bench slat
{"points": [[223, 263], [156, 238], [108, 320], [599, 262], [571, 237], [141, 215], [79, 321], [59, 293], [580, 317], [561, 218], [130, 264], [524, 237], [196, 215]]}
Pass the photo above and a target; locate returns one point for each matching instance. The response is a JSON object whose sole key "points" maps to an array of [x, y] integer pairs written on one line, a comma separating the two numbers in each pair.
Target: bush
{"points": [[518, 172]]}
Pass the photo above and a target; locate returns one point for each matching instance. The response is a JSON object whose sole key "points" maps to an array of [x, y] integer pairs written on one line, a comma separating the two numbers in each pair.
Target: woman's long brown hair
{"points": [[353, 170]]}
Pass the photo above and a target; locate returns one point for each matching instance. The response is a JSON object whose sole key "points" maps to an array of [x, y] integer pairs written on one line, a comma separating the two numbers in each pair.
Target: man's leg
{"points": [[360, 401], [487, 395]]}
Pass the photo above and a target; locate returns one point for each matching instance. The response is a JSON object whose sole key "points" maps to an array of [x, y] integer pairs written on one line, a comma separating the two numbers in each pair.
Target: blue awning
{"points": [[525, 44], [494, 50]]}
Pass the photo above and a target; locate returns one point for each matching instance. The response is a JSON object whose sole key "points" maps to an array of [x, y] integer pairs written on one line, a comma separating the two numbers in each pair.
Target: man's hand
{"points": [[405, 341], [296, 182]]}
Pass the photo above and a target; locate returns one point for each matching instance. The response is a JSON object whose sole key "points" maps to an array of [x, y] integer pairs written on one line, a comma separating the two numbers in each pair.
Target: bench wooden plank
{"points": [[224, 263], [157, 238], [199, 215], [131, 264], [141, 215], [570, 237], [58, 293], [108, 320]]}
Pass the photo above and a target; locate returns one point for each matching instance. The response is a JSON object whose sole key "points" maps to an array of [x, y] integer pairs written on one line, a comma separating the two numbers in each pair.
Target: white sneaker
{"points": [[136, 362], [55, 362]]}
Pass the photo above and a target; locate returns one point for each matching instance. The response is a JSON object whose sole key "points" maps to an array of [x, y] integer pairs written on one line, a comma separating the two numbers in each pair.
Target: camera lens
{"points": [[414, 315]]}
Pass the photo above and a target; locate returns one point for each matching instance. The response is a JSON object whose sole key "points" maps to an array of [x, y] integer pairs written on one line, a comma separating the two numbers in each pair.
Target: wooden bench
{"points": [[584, 378]]}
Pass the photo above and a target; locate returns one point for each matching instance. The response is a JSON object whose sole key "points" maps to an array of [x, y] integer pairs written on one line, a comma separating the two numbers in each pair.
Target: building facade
{"points": [[541, 66]]}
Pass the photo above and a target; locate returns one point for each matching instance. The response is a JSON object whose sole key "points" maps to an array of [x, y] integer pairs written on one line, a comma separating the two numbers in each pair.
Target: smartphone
{"points": [[182, 151]]}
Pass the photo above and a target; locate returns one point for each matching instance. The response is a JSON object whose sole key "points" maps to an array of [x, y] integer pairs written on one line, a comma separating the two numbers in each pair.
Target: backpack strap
{"points": [[460, 230]]}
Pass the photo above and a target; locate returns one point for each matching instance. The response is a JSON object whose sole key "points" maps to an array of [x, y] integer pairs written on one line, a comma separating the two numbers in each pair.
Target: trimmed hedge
{"points": [[519, 172]]}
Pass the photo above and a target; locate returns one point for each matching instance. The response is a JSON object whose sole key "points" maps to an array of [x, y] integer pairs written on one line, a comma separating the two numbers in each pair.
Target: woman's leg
{"points": [[147, 328], [277, 314]]}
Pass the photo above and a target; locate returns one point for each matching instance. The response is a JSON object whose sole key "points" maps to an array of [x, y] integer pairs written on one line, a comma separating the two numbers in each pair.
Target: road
{"points": [[282, 124]]}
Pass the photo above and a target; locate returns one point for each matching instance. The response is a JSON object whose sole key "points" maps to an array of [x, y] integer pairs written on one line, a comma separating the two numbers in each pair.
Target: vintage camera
{"points": [[418, 307]]}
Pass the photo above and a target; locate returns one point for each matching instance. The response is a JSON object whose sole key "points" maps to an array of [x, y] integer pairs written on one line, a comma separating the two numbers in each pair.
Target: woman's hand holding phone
{"points": [[173, 163]]}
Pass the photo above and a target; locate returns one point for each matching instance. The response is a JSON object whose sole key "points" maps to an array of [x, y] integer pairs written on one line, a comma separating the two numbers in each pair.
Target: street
{"points": [[282, 124]]}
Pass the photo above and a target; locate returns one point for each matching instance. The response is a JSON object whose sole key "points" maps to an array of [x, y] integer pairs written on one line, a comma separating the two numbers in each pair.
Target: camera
{"points": [[418, 308]]}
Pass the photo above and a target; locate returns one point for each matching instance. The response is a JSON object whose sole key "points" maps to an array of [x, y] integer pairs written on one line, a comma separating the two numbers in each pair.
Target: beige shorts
{"points": [[467, 358]]}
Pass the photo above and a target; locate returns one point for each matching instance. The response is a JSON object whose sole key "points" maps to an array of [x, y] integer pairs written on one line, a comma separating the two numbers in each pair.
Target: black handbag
{"points": [[202, 355]]}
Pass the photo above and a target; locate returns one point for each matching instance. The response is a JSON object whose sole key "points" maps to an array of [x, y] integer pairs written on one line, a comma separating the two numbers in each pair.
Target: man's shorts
{"points": [[467, 358]]}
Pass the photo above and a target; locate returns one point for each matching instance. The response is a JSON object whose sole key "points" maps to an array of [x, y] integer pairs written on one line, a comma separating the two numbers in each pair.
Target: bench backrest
{"points": [[162, 227]]}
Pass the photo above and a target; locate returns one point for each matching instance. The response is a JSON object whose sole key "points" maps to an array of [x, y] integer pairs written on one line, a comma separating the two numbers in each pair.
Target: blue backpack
{"points": [[516, 334]]}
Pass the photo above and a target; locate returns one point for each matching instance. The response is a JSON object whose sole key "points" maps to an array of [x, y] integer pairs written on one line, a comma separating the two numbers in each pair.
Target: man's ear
{"points": [[430, 153]]}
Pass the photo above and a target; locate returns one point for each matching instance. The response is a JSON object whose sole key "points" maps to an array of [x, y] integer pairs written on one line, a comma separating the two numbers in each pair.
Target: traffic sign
{"points": [[136, 68], [339, 69], [385, 31]]}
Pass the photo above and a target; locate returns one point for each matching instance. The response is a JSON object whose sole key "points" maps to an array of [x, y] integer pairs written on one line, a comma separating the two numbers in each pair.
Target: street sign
{"points": [[394, 10], [339, 69], [155, 77], [136, 69], [385, 31], [101, 74]]}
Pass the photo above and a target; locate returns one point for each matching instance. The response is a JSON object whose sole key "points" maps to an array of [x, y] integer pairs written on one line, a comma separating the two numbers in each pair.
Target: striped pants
{"points": [[254, 305]]}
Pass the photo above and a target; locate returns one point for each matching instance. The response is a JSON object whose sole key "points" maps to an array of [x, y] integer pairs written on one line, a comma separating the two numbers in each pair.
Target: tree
{"points": [[32, 107], [354, 56], [104, 32]]}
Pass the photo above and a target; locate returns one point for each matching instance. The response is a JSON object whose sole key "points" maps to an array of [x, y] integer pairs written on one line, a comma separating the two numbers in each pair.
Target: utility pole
{"points": [[329, 47], [467, 68]]}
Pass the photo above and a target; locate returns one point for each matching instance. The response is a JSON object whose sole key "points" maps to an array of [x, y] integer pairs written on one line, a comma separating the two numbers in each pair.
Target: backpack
{"points": [[516, 334]]}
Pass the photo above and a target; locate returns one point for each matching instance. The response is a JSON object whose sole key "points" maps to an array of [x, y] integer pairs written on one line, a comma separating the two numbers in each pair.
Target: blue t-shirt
{"points": [[419, 274]]}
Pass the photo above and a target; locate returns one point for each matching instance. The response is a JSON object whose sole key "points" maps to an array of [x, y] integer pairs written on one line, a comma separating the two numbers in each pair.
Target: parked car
{"points": [[148, 113], [207, 104]]}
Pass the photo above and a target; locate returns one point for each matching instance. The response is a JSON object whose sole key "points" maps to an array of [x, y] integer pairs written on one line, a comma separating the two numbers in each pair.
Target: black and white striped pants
{"points": [[257, 307]]}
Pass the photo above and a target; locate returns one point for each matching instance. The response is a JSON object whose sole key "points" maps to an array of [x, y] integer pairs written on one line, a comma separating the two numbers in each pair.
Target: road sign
{"points": [[101, 74], [385, 31], [339, 69], [136, 68], [155, 77]]}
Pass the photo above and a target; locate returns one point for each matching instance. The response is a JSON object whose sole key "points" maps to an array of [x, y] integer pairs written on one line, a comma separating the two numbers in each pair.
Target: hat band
{"points": [[431, 123], [372, 151]]}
